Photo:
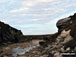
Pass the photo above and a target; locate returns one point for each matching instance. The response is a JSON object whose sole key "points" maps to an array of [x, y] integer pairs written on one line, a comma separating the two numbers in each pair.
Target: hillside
{"points": [[9, 35]]}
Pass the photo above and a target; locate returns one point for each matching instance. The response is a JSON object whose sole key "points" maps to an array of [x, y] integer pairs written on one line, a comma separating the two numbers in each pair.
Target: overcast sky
{"points": [[35, 16]]}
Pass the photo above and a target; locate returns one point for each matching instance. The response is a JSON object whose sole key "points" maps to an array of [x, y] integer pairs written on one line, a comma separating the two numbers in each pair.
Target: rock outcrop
{"points": [[9, 34], [66, 39]]}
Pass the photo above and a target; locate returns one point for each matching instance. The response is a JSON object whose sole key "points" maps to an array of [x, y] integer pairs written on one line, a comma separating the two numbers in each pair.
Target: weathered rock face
{"points": [[73, 26], [69, 24], [9, 35], [66, 40], [63, 24]]}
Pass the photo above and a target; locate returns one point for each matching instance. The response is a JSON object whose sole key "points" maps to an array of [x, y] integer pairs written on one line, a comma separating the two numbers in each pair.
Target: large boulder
{"points": [[63, 23], [9, 34]]}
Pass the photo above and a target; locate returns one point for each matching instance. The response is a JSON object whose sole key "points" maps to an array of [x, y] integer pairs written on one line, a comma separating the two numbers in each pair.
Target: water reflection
{"points": [[21, 51]]}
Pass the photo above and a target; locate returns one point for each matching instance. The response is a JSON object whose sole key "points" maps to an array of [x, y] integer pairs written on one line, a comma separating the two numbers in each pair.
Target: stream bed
{"points": [[21, 51]]}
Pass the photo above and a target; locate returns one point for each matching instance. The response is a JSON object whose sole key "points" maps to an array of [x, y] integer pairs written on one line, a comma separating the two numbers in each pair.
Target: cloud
{"points": [[71, 5], [34, 2], [36, 20], [35, 16], [28, 3], [10, 21], [19, 10], [45, 0], [4, 1]]}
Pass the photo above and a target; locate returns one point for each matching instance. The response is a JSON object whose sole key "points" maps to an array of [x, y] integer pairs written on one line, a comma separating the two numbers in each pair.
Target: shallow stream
{"points": [[21, 51]]}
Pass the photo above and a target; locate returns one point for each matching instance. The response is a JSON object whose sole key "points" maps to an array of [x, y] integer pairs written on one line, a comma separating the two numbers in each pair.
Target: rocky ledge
{"points": [[9, 34]]}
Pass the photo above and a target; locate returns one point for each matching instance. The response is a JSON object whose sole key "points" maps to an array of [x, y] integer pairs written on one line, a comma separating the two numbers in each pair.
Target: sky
{"points": [[35, 17]]}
